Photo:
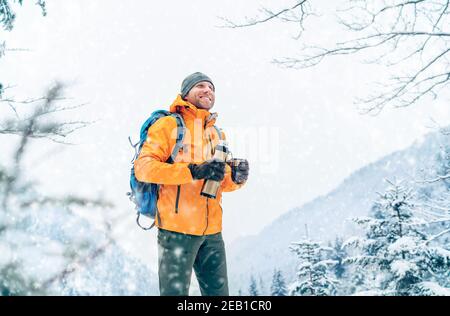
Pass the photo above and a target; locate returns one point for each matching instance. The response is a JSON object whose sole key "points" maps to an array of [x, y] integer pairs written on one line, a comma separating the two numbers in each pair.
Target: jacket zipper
{"points": [[212, 155], [207, 213], [178, 198], [207, 199]]}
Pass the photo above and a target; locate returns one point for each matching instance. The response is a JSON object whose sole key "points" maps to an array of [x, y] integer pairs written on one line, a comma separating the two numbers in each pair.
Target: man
{"points": [[189, 224]]}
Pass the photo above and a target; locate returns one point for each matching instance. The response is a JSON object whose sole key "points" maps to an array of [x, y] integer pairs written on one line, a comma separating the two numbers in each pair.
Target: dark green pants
{"points": [[179, 253]]}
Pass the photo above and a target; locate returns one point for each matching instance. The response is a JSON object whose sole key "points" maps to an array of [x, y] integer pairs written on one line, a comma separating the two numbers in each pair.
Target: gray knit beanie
{"points": [[190, 81]]}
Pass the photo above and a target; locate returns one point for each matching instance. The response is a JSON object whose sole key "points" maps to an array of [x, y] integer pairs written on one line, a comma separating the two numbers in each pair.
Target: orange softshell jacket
{"points": [[181, 208]]}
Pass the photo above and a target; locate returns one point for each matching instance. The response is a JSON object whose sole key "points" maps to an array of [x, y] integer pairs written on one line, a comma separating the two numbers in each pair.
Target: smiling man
{"points": [[189, 224], [201, 94]]}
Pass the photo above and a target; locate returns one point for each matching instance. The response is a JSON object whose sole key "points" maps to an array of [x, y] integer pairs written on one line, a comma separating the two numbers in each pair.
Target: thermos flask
{"points": [[210, 187]]}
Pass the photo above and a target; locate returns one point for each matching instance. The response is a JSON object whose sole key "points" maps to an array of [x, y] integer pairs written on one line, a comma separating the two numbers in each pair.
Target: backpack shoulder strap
{"points": [[181, 131], [219, 132]]}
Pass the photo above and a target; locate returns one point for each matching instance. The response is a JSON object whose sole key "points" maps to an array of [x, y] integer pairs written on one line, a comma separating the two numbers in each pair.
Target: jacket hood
{"points": [[183, 107]]}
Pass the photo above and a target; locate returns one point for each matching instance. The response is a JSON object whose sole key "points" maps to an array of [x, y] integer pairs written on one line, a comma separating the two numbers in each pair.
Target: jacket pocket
{"points": [[177, 199]]}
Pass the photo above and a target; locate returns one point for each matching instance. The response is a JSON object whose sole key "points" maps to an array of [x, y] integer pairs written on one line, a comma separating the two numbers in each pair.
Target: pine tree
{"points": [[338, 254], [262, 287], [253, 289], [341, 271], [278, 287], [396, 255], [313, 274]]}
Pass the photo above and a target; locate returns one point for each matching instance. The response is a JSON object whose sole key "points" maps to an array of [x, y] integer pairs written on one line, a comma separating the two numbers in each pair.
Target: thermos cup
{"points": [[210, 187]]}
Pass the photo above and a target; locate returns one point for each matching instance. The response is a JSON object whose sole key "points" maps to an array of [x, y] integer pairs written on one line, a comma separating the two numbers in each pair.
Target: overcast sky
{"points": [[299, 128]]}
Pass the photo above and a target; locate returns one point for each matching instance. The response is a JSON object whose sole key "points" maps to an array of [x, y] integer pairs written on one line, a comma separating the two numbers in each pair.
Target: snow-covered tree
{"points": [[25, 230], [314, 275], [338, 254], [25, 226], [253, 288], [8, 16], [346, 276], [443, 168], [396, 252], [262, 287], [278, 287]]}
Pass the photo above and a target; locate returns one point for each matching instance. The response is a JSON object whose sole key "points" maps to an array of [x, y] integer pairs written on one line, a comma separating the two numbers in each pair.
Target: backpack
{"points": [[145, 195]]}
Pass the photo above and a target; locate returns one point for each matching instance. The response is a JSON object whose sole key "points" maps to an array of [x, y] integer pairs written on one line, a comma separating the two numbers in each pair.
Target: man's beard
{"points": [[207, 107]]}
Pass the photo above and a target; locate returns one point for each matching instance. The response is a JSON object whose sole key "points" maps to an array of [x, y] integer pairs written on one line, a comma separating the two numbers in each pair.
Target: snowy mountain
{"points": [[326, 217]]}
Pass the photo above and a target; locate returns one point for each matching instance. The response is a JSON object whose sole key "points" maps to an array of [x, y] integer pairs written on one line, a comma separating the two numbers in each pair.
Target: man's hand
{"points": [[239, 170], [209, 170]]}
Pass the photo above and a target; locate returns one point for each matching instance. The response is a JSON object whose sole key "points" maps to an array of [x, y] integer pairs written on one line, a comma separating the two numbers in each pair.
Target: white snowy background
{"points": [[299, 128]]}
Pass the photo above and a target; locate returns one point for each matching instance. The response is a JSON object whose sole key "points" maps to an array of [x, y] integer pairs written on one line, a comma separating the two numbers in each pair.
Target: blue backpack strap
{"points": [[219, 132], [181, 131]]}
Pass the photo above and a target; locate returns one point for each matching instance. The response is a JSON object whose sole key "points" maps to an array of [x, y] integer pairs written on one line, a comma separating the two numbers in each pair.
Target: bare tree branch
{"points": [[69, 200], [442, 233], [437, 179], [297, 13], [411, 37], [34, 127]]}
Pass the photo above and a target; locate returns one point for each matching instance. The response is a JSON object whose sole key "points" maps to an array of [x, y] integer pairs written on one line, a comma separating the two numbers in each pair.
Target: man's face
{"points": [[202, 95]]}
